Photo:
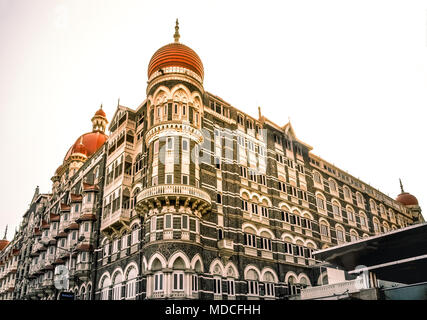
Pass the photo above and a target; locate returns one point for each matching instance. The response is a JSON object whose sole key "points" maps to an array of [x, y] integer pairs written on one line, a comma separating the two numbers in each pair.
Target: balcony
{"points": [[226, 247], [332, 291], [193, 196], [115, 220]]}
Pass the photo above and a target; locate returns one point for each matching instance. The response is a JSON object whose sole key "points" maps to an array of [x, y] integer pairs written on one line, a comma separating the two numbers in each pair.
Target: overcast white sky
{"points": [[351, 75]]}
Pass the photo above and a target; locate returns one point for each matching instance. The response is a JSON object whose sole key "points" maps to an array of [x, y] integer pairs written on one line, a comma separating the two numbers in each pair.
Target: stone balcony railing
{"points": [[332, 290], [196, 196]]}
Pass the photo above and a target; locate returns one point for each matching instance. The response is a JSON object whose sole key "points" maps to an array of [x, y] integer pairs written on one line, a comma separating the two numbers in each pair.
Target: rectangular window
{"points": [[253, 288], [231, 287], [169, 178], [184, 145], [178, 281], [269, 290], [156, 147], [154, 181], [153, 223], [158, 282], [134, 236], [185, 222], [250, 240], [170, 143], [244, 205], [185, 179], [194, 283], [217, 286], [168, 221]]}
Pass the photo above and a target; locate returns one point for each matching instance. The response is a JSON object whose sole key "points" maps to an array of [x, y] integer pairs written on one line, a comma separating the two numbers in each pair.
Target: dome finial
{"points": [[401, 185], [5, 234], [176, 36]]}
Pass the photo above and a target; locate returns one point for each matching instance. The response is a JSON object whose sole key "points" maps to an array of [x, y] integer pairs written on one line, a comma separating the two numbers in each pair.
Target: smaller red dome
{"points": [[80, 148], [3, 244], [407, 199], [101, 113]]}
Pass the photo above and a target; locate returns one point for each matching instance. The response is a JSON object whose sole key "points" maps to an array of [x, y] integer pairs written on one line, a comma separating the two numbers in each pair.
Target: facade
{"points": [[189, 198]]}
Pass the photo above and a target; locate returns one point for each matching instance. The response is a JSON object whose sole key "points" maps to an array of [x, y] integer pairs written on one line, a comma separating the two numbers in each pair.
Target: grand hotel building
{"points": [[189, 197]]}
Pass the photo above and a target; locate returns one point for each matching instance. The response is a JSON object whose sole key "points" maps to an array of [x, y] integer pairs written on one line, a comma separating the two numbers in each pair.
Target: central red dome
{"points": [[91, 141], [176, 55]]}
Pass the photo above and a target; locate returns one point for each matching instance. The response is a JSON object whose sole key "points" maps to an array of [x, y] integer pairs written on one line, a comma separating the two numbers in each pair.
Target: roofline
{"points": [[357, 179], [349, 244]]}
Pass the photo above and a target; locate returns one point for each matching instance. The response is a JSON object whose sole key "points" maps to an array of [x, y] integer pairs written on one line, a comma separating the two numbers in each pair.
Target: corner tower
{"points": [[173, 203]]}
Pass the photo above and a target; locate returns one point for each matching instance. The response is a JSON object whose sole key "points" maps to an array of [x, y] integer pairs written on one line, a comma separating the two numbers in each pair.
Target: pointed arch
{"points": [[175, 256], [216, 267], [157, 256], [197, 258]]}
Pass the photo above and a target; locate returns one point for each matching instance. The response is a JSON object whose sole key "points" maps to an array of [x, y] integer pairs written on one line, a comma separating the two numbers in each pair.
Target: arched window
{"points": [[317, 178], [386, 228], [373, 206], [333, 186], [347, 194], [250, 236], [321, 203], [350, 214], [105, 288], [178, 274], [340, 233], [363, 220], [131, 283], [376, 224], [117, 286], [269, 289], [391, 215], [266, 243], [336, 208], [324, 229], [359, 199], [293, 287], [252, 278], [354, 235]]}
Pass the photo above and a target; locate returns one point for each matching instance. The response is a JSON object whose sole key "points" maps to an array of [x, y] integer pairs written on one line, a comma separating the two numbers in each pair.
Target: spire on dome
{"points": [[5, 233], [401, 186], [176, 36]]}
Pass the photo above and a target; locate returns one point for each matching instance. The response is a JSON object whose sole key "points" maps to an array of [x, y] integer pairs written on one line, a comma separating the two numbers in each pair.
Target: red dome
{"points": [[91, 141], [407, 199], [101, 113], [175, 55], [3, 244], [80, 148]]}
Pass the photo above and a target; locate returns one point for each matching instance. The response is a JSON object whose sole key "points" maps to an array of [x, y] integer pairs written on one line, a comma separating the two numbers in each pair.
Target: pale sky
{"points": [[351, 75]]}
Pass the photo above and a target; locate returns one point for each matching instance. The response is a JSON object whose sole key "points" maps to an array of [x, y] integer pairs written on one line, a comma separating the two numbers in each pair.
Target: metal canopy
{"points": [[398, 256]]}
